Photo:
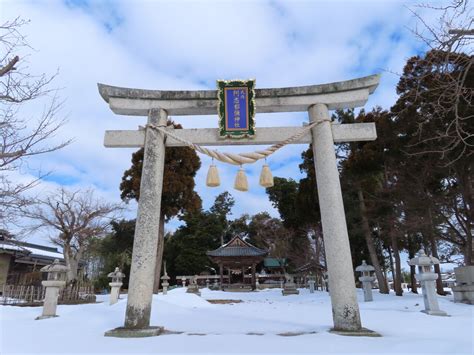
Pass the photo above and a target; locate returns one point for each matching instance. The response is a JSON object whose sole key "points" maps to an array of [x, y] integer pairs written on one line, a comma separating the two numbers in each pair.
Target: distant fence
{"points": [[25, 295], [265, 281]]}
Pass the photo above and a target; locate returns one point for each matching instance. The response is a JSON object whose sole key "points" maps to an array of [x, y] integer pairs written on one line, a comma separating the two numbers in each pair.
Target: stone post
{"points": [[345, 309], [427, 280], [311, 282], [221, 276], [140, 290], [207, 283], [366, 280], [115, 285], [254, 283], [183, 281], [56, 280], [325, 281], [164, 280], [257, 283], [51, 298]]}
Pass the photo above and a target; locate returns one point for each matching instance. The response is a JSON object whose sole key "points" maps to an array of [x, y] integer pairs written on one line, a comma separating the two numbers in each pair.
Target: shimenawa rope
{"points": [[241, 158]]}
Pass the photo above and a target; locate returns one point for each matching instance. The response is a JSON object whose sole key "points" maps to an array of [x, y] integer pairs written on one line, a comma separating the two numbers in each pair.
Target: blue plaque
{"points": [[236, 108]]}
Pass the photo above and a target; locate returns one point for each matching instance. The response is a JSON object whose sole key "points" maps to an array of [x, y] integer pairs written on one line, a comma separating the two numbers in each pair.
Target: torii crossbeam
{"points": [[317, 100]]}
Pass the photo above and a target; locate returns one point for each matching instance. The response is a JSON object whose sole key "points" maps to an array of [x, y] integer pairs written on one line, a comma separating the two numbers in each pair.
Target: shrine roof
{"points": [[274, 262], [29, 253], [237, 247]]}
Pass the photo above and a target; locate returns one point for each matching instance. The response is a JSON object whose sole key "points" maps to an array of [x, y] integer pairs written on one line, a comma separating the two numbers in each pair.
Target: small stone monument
{"points": [[216, 284], [257, 283], [290, 287], [183, 281], [207, 283], [427, 280], [311, 282], [56, 280], [115, 285], [464, 289], [325, 280], [366, 280], [193, 286], [164, 280]]}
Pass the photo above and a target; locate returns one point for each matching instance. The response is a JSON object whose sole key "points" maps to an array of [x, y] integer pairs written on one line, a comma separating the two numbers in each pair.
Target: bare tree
{"points": [[75, 217], [451, 64], [21, 136]]}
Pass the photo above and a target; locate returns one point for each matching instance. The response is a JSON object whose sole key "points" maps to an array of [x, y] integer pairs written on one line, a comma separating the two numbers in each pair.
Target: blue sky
{"points": [[188, 45]]}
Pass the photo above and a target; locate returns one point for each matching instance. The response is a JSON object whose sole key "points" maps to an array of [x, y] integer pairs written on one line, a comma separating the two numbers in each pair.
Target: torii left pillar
{"points": [[140, 290]]}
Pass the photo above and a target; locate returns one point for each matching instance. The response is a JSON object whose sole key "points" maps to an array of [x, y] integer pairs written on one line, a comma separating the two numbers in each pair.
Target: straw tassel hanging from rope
{"points": [[241, 182], [212, 179], [266, 177]]}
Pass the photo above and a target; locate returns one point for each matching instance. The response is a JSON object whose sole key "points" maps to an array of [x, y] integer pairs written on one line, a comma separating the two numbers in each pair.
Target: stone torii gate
{"points": [[317, 100]]}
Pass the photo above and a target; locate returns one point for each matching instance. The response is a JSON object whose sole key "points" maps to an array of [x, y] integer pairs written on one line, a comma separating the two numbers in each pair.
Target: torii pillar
{"points": [[315, 99], [145, 243], [345, 309]]}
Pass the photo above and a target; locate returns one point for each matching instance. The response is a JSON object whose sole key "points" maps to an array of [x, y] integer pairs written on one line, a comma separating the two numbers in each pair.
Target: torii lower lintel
{"points": [[354, 132]]}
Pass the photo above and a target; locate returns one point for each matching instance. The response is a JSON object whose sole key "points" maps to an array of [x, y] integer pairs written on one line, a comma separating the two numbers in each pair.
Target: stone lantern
{"points": [[311, 282], [427, 280], [115, 285], [56, 280], [164, 280], [367, 278]]}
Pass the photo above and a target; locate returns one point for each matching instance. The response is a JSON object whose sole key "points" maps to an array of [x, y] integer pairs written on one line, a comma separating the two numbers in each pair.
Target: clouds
{"points": [[188, 45], [202, 40]]}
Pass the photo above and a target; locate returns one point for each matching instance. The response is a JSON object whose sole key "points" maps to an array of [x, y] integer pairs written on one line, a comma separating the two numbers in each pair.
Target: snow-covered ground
{"points": [[252, 326]]}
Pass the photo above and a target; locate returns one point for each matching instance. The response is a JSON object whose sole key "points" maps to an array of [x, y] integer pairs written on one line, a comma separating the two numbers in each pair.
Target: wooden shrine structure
{"points": [[236, 257]]}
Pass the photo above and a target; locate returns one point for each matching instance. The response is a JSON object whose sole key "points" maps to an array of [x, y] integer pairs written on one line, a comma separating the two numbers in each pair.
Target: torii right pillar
{"points": [[345, 309]]}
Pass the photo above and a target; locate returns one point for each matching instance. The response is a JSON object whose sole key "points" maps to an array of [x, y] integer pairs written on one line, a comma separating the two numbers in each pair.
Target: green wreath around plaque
{"points": [[236, 108]]}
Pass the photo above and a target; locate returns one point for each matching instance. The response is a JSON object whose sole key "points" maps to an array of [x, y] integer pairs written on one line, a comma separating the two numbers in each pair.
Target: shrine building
{"points": [[237, 257]]}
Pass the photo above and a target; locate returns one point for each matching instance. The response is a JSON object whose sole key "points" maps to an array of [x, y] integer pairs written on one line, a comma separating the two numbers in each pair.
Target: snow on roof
{"points": [[31, 251], [40, 252], [7, 246], [237, 247]]}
